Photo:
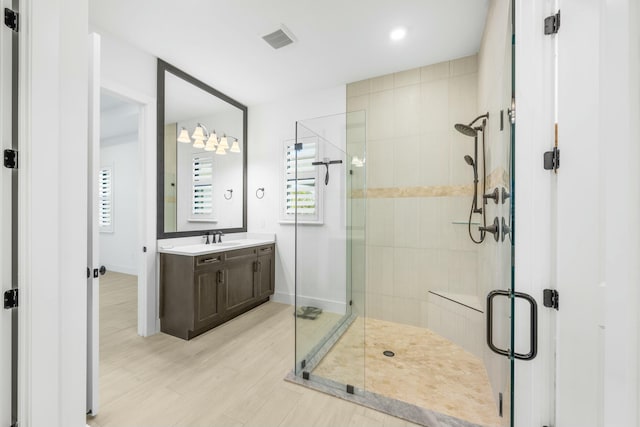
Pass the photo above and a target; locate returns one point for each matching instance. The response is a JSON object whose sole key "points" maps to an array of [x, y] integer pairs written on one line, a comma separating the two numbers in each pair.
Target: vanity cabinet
{"points": [[198, 293]]}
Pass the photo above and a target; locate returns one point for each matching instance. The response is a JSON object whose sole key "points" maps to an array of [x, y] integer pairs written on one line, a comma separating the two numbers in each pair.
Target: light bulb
{"points": [[184, 136], [235, 148], [198, 133], [223, 142]]}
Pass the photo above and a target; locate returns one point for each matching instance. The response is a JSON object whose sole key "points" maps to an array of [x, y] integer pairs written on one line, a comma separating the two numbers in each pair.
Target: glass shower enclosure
{"points": [[325, 192]]}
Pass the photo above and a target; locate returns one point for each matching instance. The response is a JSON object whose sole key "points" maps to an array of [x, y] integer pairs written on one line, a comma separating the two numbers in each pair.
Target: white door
{"points": [[7, 249], [598, 208], [93, 259]]}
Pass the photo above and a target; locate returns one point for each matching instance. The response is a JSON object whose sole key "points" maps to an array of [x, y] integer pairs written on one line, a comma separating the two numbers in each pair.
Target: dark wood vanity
{"points": [[200, 292]]}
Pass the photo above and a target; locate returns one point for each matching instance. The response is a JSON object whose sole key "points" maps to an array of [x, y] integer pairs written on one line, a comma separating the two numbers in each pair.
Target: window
{"points": [[202, 187], [105, 200], [303, 193]]}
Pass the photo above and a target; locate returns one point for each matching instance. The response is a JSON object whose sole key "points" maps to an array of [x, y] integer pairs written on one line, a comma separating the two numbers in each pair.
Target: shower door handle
{"points": [[533, 349]]}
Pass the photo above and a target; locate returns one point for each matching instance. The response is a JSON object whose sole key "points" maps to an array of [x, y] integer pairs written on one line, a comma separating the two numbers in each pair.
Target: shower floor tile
{"points": [[427, 369]]}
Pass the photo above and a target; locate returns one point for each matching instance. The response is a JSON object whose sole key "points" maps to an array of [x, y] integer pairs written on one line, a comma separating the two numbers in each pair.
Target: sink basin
{"points": [[226, 244]]}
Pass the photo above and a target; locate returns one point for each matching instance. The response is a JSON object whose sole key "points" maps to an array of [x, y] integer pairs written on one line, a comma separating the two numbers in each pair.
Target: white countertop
{"points": [[202, 248]]}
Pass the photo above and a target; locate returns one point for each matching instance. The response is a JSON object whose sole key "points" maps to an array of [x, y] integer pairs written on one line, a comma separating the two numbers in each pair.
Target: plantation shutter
{"points": [[303, 195], [202, 196], [105, 200]]}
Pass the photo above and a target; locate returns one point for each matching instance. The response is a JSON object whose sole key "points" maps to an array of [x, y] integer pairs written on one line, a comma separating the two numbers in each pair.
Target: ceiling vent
{"points": [[280, 38]]}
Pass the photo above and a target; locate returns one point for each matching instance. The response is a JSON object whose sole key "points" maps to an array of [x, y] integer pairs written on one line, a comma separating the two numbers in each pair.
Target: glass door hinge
{"points": [[552, 24], [10, 159], [11, 299], [551, 298], [11, 19]]}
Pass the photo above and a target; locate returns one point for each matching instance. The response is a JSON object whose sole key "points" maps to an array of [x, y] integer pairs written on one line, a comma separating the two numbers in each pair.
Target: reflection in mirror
{"points": [[203, 167]]}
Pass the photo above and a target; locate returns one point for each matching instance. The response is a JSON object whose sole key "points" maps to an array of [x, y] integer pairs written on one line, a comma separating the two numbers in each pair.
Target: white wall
{"points": [[270, 125], [119, 249]]}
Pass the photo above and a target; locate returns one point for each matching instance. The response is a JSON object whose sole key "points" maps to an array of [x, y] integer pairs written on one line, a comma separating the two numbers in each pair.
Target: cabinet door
{"points": [[208, 298], [240, 284], [266, 272]]}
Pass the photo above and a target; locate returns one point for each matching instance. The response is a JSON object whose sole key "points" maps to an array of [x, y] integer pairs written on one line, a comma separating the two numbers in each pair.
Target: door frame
{"points": [[148, 320]]}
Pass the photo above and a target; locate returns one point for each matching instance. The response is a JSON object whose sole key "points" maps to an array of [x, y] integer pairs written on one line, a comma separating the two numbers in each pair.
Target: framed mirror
{"points": [[202, 157]]}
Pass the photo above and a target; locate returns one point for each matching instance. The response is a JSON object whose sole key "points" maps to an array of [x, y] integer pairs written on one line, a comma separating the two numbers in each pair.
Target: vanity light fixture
{"points": [[200, 134]]}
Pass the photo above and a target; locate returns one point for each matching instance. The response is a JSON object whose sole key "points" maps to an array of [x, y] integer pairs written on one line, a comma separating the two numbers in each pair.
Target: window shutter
{"points": [[305, 196], [202, 196], [105, 199]]}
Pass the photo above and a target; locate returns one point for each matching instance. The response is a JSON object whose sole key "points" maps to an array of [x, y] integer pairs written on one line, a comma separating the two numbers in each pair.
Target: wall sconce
{"points": [[200, 134]]}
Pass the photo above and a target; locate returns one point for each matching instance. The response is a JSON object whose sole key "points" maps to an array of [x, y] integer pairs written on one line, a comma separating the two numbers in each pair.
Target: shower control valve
{"points": [[493, 229], [495, 195]]}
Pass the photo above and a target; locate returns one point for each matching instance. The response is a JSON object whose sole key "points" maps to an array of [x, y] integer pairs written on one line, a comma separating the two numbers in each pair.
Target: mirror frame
{"points": [[166, 67]]}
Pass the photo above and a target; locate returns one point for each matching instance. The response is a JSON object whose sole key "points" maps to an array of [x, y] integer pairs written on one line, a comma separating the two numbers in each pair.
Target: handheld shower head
{"points": [[469, 160]]}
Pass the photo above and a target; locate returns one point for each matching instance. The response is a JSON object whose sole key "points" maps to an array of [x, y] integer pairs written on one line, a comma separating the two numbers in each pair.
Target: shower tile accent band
{"points": [[496, 178]]}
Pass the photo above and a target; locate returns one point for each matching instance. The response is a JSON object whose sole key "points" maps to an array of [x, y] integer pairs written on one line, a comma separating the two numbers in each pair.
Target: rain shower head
{"points": [[469, 160], [466, 129]]}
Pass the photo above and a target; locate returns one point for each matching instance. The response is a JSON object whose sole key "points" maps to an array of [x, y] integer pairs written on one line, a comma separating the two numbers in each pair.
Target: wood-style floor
{"points": [[230, 376]]}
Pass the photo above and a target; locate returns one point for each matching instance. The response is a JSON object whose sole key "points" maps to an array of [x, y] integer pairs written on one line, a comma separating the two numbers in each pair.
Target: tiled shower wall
{"points": [[419, 195]]}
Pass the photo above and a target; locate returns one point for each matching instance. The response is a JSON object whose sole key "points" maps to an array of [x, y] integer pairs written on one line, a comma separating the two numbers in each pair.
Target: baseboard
{"points": [[325, 304], [122, 269]]}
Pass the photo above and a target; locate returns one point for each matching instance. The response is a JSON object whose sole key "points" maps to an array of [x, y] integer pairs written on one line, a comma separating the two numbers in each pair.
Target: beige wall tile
{"points": [[362, 87], [430, 222], [357, 103], [380, 163], [408, 279], [433, 72], [405, 78], [379, 307], [406, 169], [406, 223], [380, 264], [435, 106], [433, 158], [380, 117], [463, 100], [407, 110], [406, 310], [380, 214], [382, 83], [466, 65]]}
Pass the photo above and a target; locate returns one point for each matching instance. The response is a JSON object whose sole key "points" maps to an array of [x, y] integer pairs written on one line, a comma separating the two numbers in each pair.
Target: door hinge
{"points": [[552, 159], [11, 299], [11, 19], [550, 298], [552, 24], [10, 159]]}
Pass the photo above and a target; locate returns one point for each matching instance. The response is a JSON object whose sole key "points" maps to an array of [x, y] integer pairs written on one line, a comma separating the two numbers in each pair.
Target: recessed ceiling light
{"points": [[398, 34]]}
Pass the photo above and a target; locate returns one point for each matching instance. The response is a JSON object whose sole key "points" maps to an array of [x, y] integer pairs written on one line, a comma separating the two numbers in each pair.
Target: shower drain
{"points": [[388, 353]]}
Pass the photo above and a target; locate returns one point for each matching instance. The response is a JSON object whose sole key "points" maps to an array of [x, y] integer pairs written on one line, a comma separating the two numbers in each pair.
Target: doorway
{"points": [[118, 214]]}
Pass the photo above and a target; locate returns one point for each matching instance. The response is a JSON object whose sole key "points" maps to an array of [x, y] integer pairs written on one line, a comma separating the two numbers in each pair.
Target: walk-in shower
{"points": [[390, 293]]}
